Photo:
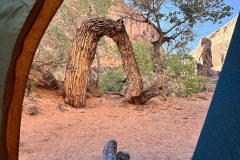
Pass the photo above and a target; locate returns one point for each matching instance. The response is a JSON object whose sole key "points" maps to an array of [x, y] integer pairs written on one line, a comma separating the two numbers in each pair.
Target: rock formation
{"points": [[205, 69], [206, 57], [220, 41]]}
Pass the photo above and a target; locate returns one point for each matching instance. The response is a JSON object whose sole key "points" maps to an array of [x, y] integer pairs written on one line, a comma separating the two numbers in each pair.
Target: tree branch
{"points": [[151, 92], [140, 17], [177, 24]]}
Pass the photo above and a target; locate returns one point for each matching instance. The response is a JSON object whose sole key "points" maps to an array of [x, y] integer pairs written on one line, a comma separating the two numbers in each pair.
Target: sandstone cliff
{"points": [[137, 31], [220, 41]]}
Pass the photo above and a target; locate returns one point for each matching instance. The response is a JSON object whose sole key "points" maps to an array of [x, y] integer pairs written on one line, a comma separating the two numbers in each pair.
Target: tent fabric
{"points": [[220, 136], [17, 52], [11, 12]]}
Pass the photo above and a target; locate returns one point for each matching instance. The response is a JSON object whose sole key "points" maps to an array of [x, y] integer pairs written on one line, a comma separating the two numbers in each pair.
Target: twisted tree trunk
{"points": [[83, 52]]}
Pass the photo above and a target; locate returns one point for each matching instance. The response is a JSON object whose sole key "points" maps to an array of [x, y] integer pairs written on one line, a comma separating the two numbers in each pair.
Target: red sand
{"points": [[159, 130]]}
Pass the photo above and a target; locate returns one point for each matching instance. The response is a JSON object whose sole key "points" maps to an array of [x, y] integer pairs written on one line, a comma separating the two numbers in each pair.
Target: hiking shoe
{"points": [[123, 155], [110, 150]]}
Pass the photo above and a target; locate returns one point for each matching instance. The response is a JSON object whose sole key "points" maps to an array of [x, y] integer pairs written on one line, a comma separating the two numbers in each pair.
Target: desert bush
{"points": [[30, 87], [144, 61], [33, 110], [113, 80], [180, 75]]}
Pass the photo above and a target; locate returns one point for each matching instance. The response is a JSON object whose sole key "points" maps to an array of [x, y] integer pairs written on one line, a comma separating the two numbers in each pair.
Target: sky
{"points": [[209, 27]]}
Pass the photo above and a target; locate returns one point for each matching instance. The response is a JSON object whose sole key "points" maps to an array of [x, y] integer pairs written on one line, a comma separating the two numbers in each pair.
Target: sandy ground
{"points": [[162, 129]]}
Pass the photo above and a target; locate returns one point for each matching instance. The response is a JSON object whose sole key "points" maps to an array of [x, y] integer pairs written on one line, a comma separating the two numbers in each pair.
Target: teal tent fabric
{"points": [[220, 136], [13, 14]]}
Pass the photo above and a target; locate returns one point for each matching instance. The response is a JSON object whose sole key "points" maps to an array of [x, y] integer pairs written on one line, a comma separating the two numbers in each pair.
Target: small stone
{"points": [[81, 111], [178, 108]]}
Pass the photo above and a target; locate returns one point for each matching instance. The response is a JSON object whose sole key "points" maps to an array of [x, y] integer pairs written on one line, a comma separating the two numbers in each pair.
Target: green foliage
{"points": [[31, 86], [179, 64], [202, 11], [112, 80], [55, 46], [180, 75], [177, 20], [144, 61], [143, 57], [71, 10], [114, 49], [111, 49], [95, 8]]}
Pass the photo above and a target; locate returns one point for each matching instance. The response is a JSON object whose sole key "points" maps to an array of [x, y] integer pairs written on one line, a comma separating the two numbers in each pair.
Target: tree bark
{"points": [[79, 63], [82, 55], [149, 93], [135, 86]]}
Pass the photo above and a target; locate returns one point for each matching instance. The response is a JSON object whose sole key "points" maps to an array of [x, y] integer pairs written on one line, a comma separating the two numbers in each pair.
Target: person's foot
{"points": [[123, 155], [110, 150]]}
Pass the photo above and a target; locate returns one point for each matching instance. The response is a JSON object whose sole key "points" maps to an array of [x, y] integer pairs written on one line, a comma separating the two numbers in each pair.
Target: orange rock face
{"points": [[137, 31]]}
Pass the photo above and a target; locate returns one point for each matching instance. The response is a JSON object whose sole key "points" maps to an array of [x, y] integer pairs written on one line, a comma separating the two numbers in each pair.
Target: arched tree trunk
{"points": [[83, 51]]}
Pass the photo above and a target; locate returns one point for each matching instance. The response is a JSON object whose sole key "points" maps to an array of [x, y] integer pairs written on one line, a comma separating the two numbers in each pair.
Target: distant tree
{"points": [[174, 21]]}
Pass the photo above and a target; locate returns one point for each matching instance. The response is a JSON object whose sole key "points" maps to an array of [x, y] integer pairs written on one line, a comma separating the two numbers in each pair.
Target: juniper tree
{"points": [[175, 21]]}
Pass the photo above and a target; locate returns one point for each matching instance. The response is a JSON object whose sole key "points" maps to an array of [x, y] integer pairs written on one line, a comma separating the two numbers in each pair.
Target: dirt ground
{"points": [[162, 129]]}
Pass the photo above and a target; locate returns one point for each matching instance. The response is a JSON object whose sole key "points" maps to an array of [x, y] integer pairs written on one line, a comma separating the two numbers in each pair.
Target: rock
{"points": [[81, 110], [178, 108], [220, 40], [206, 56]]}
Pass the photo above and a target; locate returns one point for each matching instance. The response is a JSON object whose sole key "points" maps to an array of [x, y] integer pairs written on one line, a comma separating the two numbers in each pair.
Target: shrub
{"points": [[144, 61], [30, 87], [180, 75], [33, 110], [113, 80]]}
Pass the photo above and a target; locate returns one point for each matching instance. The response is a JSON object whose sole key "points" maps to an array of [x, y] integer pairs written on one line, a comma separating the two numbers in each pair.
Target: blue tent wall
{"points": [[220, 136]]}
